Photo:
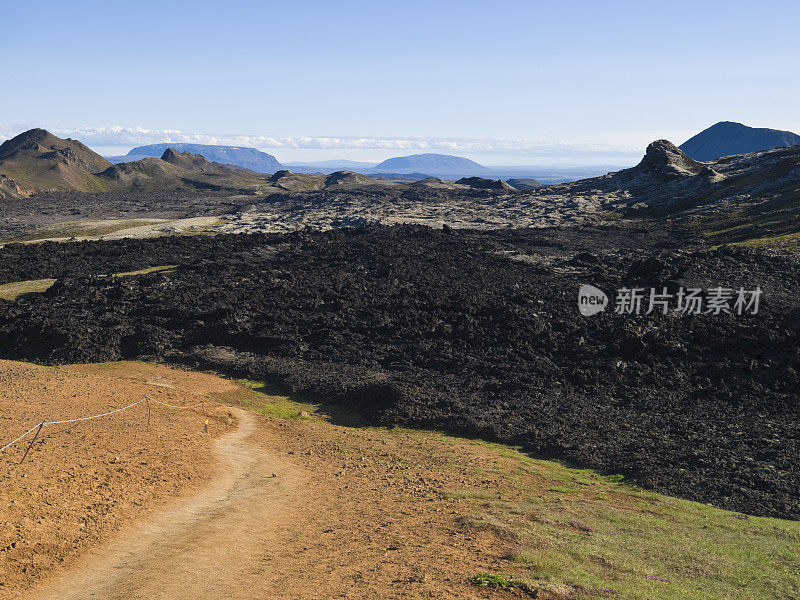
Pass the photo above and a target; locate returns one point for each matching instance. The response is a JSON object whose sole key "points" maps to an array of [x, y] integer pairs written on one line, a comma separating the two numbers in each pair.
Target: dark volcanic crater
{"points": [[473, 332]]}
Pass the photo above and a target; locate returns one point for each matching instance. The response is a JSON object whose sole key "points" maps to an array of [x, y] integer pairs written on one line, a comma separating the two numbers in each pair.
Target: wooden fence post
{"points": [[35, 435]]}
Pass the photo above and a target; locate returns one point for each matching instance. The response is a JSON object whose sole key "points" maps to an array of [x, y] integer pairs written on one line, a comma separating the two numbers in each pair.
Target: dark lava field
{"points": [[472, 332]]}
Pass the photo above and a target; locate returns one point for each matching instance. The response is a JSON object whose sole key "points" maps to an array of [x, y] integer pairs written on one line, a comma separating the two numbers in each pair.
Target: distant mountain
{"points": [[545, 175], [727, 138], [438, 165], [249, 158], [398, 176], [542, 175]]}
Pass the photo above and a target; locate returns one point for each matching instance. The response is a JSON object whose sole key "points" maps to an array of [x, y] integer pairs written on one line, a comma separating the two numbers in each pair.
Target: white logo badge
{"points": [[591, 300]]}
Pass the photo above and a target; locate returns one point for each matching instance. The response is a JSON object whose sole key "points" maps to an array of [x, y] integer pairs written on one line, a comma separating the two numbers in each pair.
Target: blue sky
{"points": [[501, 82]]}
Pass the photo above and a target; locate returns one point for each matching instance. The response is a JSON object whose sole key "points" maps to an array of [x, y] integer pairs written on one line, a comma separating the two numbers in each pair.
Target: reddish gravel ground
{"points": [[258, 508], [81, 481]]}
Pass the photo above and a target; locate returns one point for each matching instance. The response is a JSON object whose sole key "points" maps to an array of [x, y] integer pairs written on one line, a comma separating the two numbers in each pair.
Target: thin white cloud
{"points": [[117, 136]]}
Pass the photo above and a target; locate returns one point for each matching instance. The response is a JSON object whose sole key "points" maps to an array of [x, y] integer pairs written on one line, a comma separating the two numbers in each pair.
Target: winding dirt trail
{"points": [[273, 509], [209, 545]]}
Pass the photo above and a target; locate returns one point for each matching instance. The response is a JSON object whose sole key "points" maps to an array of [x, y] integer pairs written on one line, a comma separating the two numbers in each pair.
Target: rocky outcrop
{"points": [[297, 182], [10, 188], [347, 179], [664, 159], [482, 183], [193, 162]]}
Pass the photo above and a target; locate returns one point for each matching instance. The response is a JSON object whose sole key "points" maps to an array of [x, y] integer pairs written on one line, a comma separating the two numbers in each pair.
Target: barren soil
{"points": [[271, 509], [83, 480]]}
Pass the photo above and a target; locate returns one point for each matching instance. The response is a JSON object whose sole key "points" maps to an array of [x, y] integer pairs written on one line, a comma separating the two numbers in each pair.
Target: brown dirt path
{"points": [[83, 481], [296, 508], [200, 547], [276, 523]]}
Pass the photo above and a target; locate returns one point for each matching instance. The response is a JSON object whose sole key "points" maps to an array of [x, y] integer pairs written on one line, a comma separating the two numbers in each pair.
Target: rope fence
{"points": [[24, 435], [46, 423], [40, 426]]}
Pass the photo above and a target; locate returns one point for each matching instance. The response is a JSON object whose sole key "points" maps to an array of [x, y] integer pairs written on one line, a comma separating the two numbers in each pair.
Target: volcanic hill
{"points": [[727, 138], [36, 160]]}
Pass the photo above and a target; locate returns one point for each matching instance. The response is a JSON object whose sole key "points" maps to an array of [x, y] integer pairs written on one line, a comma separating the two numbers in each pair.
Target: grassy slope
{"points": [[12, 291], [771, 224], [89, 229], [581, 534], [43, 174]]}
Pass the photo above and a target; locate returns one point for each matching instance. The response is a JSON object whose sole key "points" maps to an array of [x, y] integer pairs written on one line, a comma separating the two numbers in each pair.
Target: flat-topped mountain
{"points": [[727, 138], [249, 158]]}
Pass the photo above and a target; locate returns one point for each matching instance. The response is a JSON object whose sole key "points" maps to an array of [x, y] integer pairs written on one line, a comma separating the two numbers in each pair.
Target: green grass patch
{"points": [[639, 544], [587, 535], [469, 494], [789, 241], [493, 580], [270, 400], [159, 269], [581, 534], [12, 291], [271, 403], [90, 229]]}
